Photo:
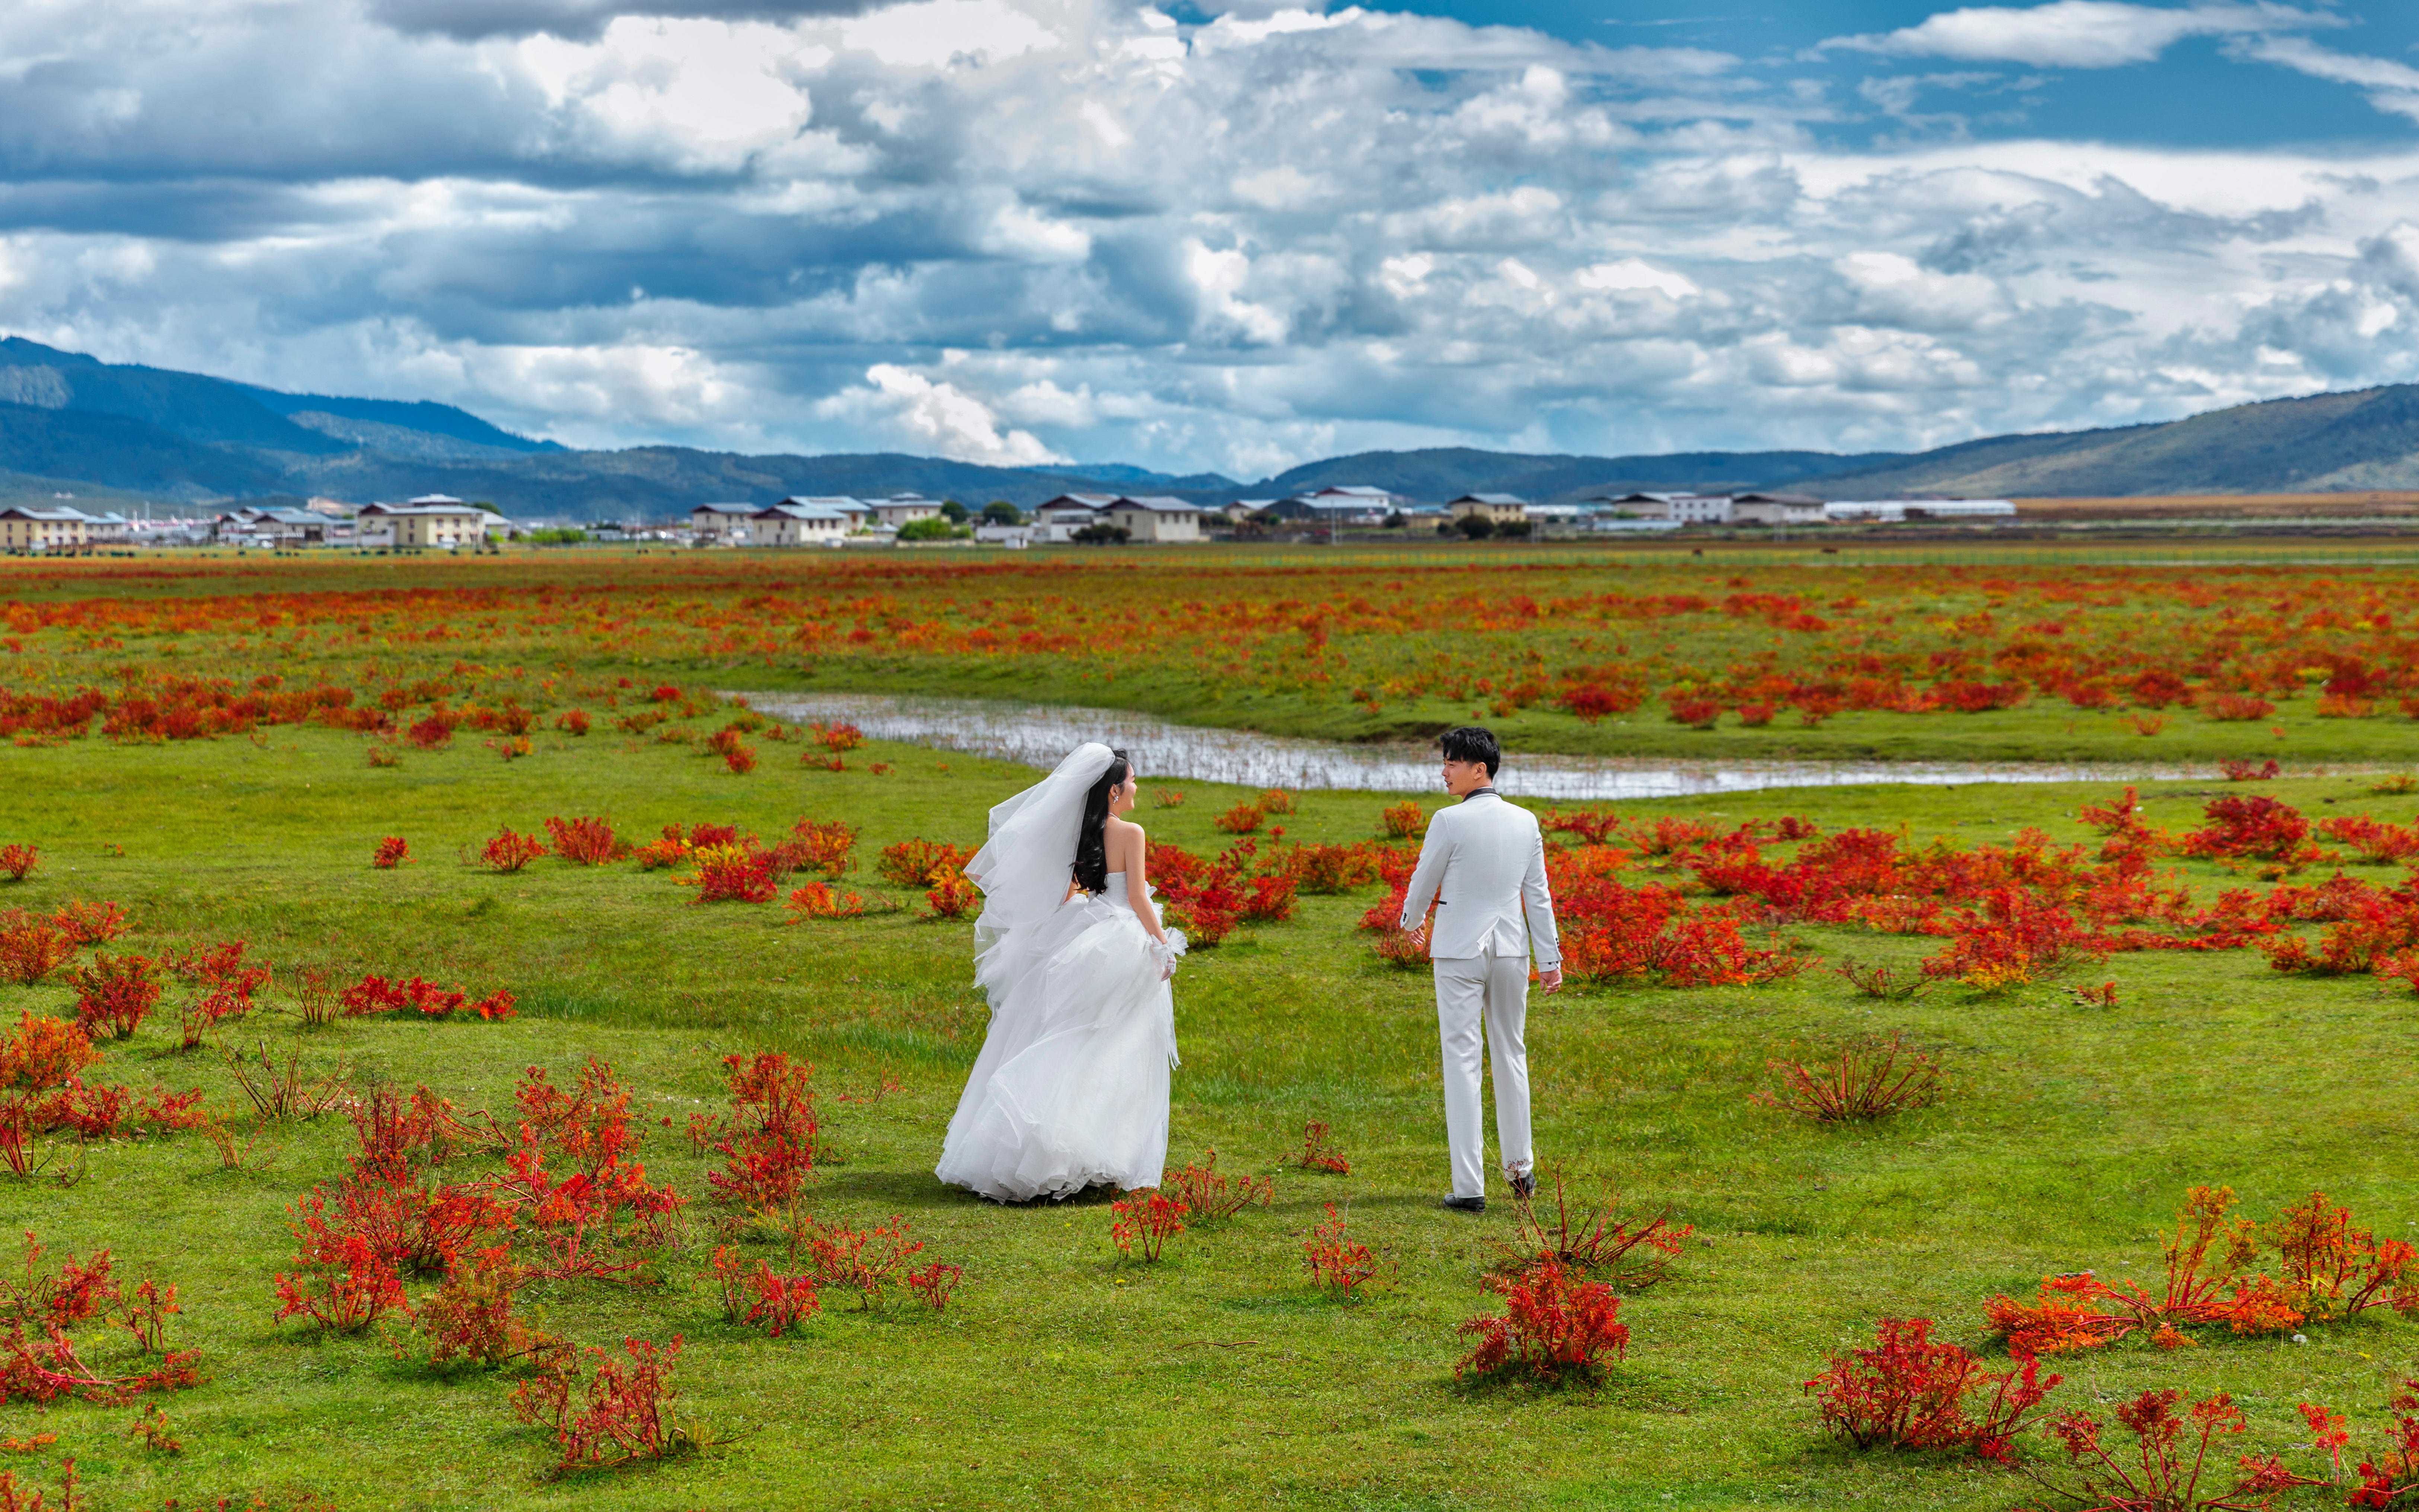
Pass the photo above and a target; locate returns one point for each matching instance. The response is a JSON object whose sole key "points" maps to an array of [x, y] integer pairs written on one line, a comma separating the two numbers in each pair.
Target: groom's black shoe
{"points": [[1465, 1204], [1524, 1185]]}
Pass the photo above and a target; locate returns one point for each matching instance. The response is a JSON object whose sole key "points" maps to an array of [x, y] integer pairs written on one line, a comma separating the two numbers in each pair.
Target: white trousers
{"points": [[1493, 989]]}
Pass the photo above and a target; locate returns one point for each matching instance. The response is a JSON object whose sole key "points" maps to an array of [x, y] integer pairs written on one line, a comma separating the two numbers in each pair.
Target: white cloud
{"points": [[940, 419], [2393, 87], [2078, 34], [1024, 230]]}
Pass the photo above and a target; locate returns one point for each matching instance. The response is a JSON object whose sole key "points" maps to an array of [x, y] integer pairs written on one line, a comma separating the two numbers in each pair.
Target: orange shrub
{"points": [[920, 863], [42, 1053], [19, 860], [1406, 820]]}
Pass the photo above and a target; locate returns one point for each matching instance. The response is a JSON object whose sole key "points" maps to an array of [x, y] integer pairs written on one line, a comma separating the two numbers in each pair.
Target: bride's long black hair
{"points": [[1091, 838]]}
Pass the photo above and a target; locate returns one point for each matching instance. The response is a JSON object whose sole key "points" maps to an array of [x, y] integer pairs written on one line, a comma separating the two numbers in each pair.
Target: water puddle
{"points": [[1039, 735]]}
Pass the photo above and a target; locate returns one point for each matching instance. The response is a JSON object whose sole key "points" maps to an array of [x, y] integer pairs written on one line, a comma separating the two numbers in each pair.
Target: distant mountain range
{"points": [[69, 423]]}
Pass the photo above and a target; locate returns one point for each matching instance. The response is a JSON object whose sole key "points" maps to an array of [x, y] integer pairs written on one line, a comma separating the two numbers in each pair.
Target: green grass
{"points": [[1060, 1377]]}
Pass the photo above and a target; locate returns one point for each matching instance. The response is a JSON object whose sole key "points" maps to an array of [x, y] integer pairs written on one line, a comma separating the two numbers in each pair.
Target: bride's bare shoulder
{"points": [[1124, 827]]}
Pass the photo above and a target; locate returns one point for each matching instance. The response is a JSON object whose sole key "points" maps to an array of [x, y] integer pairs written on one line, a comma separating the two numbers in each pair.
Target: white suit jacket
{"points": [[1483, 863]]}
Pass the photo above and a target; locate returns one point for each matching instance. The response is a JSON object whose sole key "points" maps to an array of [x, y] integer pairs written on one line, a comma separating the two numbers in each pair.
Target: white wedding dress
{"points": [[1071, 1089]]}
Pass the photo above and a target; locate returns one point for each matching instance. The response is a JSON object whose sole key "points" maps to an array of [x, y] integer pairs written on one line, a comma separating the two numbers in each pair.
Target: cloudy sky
{"points": [[1235, 239]]}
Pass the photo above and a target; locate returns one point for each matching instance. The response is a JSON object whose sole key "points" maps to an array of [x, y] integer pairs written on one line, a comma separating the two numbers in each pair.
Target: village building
{"points": [[1776, 509], [903, 509], [1056, 520], [804, 522], [25, 528], [1156, 519], [1494, 508], [273, 526], [1894, 511], [432, 520], [721, 524]]}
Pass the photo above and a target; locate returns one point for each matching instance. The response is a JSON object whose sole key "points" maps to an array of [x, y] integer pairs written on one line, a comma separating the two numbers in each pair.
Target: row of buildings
{"points": [[431, 523], [443, 523]]}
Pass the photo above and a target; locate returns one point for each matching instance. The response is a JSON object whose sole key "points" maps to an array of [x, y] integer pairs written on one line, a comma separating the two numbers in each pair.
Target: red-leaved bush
{"points": [[2206, 1284], [1553, 1328], [589, 842], [16, 860], [1337, 1261], [921, 863], [1146, 1220], [619, 1410], [1909, 1393], [115, 993], [767, 1140], [509, 851], [392, 852]]}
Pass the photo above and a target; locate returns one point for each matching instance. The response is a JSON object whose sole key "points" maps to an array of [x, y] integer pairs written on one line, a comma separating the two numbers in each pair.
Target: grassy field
{"points": [[1062, 1376], [1577, 650]]}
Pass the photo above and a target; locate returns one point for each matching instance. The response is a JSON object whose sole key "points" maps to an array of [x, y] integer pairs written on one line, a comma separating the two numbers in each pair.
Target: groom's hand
{"points": [[1550, 979]]}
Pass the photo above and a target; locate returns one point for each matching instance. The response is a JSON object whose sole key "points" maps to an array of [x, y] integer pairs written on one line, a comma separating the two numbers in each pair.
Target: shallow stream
{"points": [[1039, 735]]}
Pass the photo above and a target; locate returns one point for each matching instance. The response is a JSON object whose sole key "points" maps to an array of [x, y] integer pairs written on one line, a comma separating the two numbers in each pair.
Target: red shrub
{"points": [[1211, 1197], [1331, 868], [740, 759], [471, 1316], [819, 845], [1406, 820], [340, 1281], [1870, 1082], [619, 1412], [392, 852], [780, 1302], [586, 842], [2157, 689], [1980, 698], [1241, 820], [769, 1147], [1696, 713], [509, 851], [2237, 707], [1552, 1328], [1316, 1154], [1755, 715], [2259, 827], [2371, 840], [2017, 938], [114, 995], [1337, 1262], [731, 873], [572, 721], [42, 1053], [224, 986], [952, 896], [868, 1261], [16, 860], [1592, 702], [935, 1284], [1908, 1393], [1149, 1219], [2248, 772], [2066, 1315], [2163, 1469], [921, 863], [90, 923], [31, 948], [432, 732]]}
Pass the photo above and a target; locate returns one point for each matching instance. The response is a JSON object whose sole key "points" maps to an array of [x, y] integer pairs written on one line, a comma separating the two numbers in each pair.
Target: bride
{"points": [[1071, 1089]]}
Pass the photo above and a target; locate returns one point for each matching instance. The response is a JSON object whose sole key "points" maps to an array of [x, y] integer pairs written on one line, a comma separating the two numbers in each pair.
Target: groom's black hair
{"points": [[1473, 743]]}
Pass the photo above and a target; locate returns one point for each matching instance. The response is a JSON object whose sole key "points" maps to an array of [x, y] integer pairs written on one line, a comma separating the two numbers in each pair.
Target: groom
{"points": [[1484, 865]]}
